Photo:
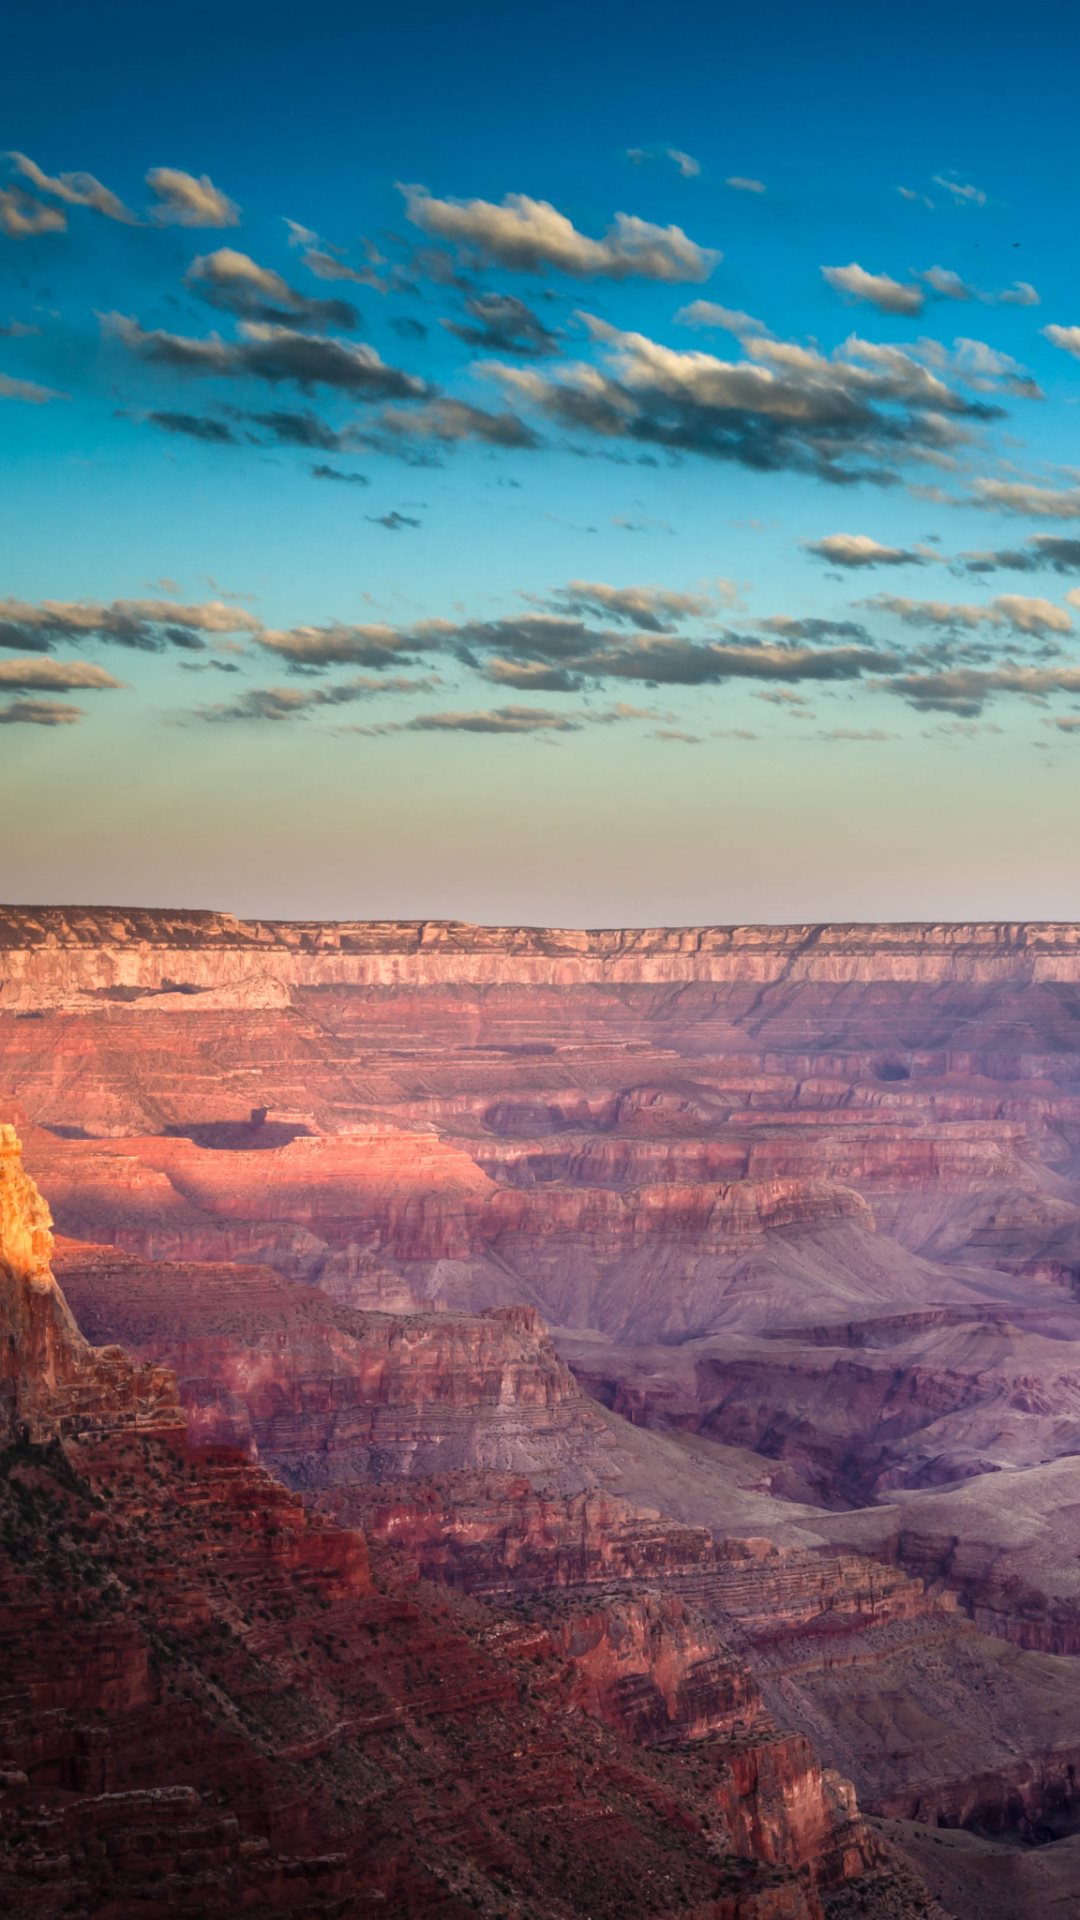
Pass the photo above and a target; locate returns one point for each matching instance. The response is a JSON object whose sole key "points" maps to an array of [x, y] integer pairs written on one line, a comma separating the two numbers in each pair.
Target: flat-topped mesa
{"points": [[58, 951], [51, 1381]]}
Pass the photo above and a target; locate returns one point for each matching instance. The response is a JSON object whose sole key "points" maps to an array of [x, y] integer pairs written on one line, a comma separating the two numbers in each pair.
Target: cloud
{"points": [[706, 313], [324, 261], [504, 325], [291, 429], [186, 201], [910, 193], [963, 193], [685, 162], [660, 659], [296, 703], [146, 625], [196, 426], [813, 631], [1054, 551], [665, 662], [532, 675], [1020, 496], [54, 676], [867, 735], [859, 550], [271, 353], [880, 289], [374, 646], [1067, 338], [234, 281], [497, 720], [949, 285], [27, 390], [964, 691], [852, 416], [982, 366], [76, 190], [393, 522], [22, 217], [40, 713], [653, 609], [449, 421], [1021, 613], [334, 473], [531, 235], [742, 184]]}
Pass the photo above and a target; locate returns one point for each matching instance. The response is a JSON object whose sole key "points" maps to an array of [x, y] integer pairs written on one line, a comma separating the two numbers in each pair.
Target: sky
{"points": [[559, 465]]}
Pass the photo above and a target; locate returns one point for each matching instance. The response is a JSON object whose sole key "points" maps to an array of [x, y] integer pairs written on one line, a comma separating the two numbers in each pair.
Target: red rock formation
{"points": [[324, 1394], [680, 1136], [214, 1701]]}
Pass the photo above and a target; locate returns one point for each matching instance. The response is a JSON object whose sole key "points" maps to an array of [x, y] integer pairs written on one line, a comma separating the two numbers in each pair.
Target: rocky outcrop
{"points": [[51, 1382], [324, 1394]]}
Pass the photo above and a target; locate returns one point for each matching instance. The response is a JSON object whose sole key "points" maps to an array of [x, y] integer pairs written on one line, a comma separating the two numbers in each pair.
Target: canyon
{"points": [[698, 1310]]}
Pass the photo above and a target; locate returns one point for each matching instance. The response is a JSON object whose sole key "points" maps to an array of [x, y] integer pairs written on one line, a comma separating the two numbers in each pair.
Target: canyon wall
{"points": [[216, 1701]]}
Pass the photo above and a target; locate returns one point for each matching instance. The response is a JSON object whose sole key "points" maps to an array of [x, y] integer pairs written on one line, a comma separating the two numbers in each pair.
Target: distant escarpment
{"points": [[90, 948]]}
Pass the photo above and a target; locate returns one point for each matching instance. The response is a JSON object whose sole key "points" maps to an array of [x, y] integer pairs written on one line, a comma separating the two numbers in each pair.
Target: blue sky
{"points": [[539, 464]]}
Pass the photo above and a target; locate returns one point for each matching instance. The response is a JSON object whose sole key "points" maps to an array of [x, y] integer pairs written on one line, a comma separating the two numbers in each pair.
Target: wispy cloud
{"points": [[233, 281], [149, 626], [27, 390], [189, 200], [878, 289], [55, 676], [75, 190], [1022, 613], [962, 192], [500, 323], [272, 353], [859, 550], [40, 713], [23, 218]]}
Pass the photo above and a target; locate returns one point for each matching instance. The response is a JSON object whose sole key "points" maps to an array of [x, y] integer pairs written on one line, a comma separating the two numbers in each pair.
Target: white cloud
{"points": [[880, 289], [532, 235], [742, 184], [76, 189], [962, 192], [1067, 338], [57, 676], [859, 550], [21, 216], [1022, 496], [706, 313], [186, 201], [1023, 613]]}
